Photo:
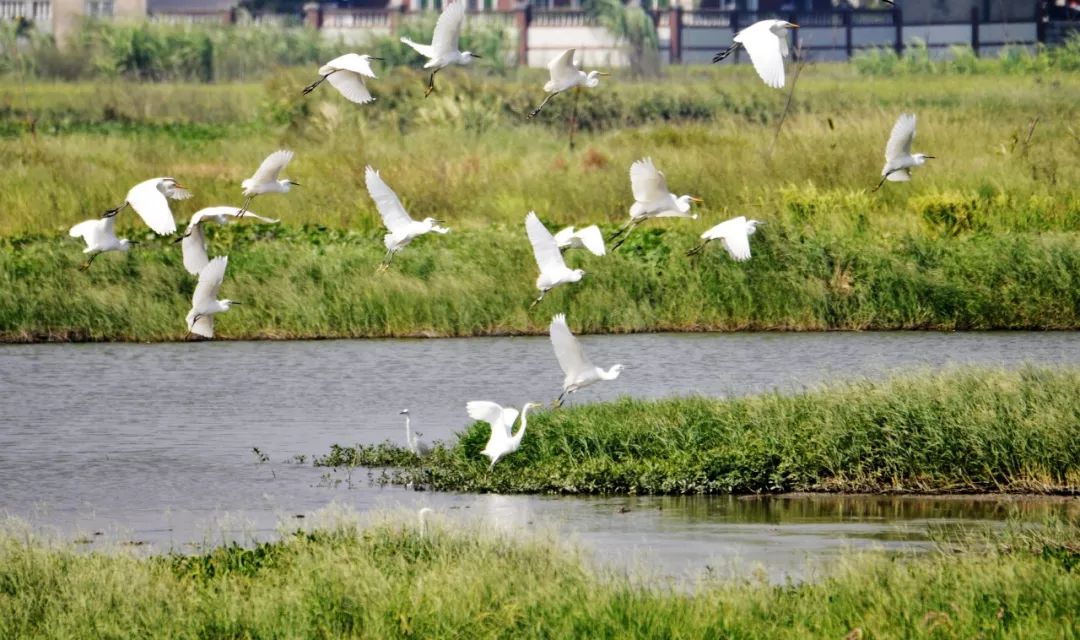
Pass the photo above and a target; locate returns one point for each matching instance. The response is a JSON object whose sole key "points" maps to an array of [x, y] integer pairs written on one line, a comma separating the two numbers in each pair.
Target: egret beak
{"points": [[295, 184], [792, 25], [475, 55], [602, 73], [693, 199], [930, 157], [234, 302], [179, 239], [374, 58], [133, 242], [180, 186]]}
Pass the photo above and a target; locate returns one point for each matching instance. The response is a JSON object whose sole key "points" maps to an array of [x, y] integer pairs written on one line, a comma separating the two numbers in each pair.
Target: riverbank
{"points": [[963, 431]]}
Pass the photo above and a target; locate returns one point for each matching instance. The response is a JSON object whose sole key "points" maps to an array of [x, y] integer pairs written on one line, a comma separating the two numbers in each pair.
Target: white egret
{"points": [[346, 74], [566, 75], [193, 241], [734, 234], [443, 50], [553, 269], [652, 199], [413, 441], [898, 157], [100, 237], [402, 228], [149, 199], [204, 302], [766, 42], [588, 238], [502, 441], [266, 179], [580, 371]]}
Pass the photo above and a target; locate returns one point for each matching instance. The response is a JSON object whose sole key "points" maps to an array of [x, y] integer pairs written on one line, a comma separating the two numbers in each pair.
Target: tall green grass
{"points": [[961, 431]]}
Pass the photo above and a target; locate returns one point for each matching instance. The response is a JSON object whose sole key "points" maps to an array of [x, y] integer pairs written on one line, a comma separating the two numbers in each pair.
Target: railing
{"points": [[355, 18], [32, 10]]}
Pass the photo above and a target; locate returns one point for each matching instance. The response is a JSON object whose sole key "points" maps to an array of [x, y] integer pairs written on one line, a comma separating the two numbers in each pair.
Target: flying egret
{"points": [[266, 179], [149, 199], [566, 75], [580, 371], [413, 442], [402, 228], [204, 302], [588, 238], [553, 270], [100, 237], [898, 156], [193, 241], [652, 199], [766, 42], [502, 441], [734, 234], [443, 50], [346, 74]]}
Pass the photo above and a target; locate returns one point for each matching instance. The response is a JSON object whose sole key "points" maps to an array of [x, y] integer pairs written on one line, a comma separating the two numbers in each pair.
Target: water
{"points": [[153, 443]]}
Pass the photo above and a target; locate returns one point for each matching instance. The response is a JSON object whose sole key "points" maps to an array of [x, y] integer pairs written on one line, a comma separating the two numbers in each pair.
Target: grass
{"points": [[395, 580], [964, 431]]}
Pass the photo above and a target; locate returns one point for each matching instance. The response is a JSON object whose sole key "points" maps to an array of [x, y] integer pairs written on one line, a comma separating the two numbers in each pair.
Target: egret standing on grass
{"points": [[99, 237], [566, 75], [204, 302], [413, 442], [266, 179], [346, 74], [402, 228], [502, 441], [898, 156], [588, 238], [766, 42], [652, 199], [580, 371], [443, 50], [193, 241], [149, 199], [734, 234], [553, 269]]}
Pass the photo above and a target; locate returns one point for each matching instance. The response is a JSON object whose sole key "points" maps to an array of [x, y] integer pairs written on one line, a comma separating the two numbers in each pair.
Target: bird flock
{"points": [[764, 41]]}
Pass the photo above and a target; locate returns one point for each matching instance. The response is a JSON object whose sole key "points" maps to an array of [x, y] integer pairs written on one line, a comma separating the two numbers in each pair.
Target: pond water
{"points": [[154, 443]]}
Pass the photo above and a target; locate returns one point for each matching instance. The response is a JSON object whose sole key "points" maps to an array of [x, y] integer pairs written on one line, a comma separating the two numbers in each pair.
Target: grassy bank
{"points": [[962, 431], [392, 580]]}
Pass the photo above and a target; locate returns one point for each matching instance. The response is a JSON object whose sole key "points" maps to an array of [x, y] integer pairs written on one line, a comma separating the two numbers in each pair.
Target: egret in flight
{"points": [[766, 42], [566, 75], [443, 50], [502, 441], [588, 238], [652, 199], [402, 228], [193, 241], [99, 237], [266, 179], [734, 234], [149, 199], [580, 371], [346, 74], [553, 269], [898, 157], [204, 302], [413, 442]]}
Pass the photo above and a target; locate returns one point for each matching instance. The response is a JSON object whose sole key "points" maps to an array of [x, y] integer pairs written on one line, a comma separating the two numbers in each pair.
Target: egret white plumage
{"points": [[443, 50], [898, 157], [652, 199], [266, 178], [100, 237], [566, 74], [580, 371], [553, 269], [734, 234], [346, 74], [149, 199], [766, 42], [588, 238], [193, 242], [413, 441], [204, 302], [502, 441], [402, 228]]}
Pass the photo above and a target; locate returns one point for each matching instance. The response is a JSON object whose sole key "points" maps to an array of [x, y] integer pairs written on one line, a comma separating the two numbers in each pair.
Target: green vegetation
{"points": [[393, 581], [962, 431], [916, 59]]}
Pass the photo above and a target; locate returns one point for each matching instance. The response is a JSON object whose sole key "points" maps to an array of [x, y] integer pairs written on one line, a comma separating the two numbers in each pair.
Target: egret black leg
{"points": [[725, 53], [620, 231], [311, 87], [536, 111], [696, 250], [431, 83], [618, 244], [90, 260], [244, 207], [537, 301], [883, 179]]}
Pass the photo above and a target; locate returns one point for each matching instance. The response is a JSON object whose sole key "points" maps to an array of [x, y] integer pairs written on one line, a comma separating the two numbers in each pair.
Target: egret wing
{"points": [[545, 249], [564, 237], [903, 132], [271, 167], [352, 62], [203, 326], [149, 202], [213, 212], [425, 50], [390, 208], [351, 86], [85, 229], [562, 68], [210, 278], [734, 236], [493, 414], [568, 350], [766, 52], [647, 182], [448, 29], [900, 175], [193, 247], [593, 239]]}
